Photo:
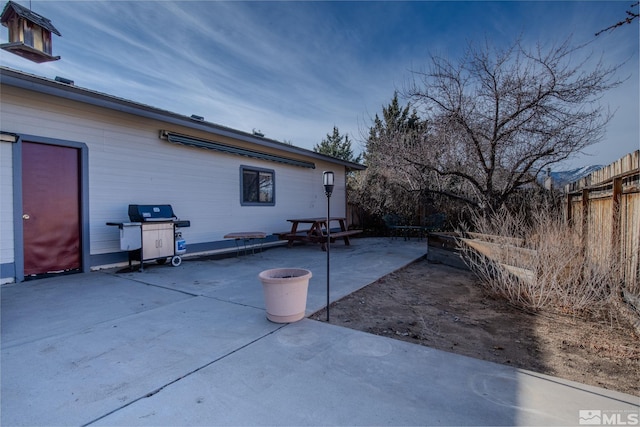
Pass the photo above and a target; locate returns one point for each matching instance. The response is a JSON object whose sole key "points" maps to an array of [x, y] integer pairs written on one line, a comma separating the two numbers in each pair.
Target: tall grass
{"points": [[548, 270]]}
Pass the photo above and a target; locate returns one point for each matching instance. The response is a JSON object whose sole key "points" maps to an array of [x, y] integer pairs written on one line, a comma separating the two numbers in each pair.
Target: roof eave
{"points": [[51, 87]]}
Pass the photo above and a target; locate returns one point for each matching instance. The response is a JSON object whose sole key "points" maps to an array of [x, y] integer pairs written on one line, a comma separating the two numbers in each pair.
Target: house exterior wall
{"points": [[128, 163], [6, 211]]}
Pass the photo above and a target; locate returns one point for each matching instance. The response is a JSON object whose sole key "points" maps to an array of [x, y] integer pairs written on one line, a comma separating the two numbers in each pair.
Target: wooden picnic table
{"points": [[316, 233]]}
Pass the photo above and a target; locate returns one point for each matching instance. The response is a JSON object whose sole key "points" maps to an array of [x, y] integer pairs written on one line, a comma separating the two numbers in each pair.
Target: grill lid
{"points": [[145, 213]]}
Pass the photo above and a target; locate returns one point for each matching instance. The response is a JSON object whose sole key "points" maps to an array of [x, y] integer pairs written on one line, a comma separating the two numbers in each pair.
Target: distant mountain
{"points": [[562, 178]]}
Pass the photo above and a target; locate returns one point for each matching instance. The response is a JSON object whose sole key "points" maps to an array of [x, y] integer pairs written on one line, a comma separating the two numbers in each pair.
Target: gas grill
{"points": [[152, 234]]}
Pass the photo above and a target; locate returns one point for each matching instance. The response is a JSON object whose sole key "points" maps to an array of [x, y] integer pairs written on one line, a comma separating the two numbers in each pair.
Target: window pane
{"points": [[249, 186], [266, 187]]}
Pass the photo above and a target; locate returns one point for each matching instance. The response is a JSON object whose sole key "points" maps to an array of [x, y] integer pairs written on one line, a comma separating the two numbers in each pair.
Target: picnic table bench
{"points": [[316, 233]]}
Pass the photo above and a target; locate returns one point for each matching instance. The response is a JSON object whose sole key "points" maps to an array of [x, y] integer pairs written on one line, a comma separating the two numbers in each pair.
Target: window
{"points": [[257, 186], [28, 31]]}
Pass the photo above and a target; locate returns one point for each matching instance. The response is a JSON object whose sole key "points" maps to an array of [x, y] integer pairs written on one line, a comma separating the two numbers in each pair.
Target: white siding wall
{"points": [[129, 163], [6, 202]]}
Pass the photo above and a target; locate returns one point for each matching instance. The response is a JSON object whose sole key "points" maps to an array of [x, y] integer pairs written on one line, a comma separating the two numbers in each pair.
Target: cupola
{"points": [[29, 33]]}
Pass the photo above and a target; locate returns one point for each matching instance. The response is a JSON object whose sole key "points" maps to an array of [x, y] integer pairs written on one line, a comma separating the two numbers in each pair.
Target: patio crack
{"points": [[161, 286], [162, 387]]}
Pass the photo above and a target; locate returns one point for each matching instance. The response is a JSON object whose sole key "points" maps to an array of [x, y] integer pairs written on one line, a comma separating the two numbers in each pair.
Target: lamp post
{"points": [[327, 180]]}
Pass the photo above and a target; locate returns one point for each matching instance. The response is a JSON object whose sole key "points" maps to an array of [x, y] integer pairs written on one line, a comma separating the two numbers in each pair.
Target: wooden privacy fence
{"points": [[604, 208]]}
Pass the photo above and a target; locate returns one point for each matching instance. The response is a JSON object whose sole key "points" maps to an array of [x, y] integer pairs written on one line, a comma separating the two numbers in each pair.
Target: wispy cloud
{"points": [[296, 69]]}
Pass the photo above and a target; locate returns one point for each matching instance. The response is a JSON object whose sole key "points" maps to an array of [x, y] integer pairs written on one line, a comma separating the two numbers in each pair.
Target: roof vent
{"points": [[64, 80], [198, 118], [258, 133]]}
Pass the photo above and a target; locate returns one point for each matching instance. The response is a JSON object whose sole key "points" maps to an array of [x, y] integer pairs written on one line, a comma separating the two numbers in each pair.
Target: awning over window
{"points": [[230, 149]]}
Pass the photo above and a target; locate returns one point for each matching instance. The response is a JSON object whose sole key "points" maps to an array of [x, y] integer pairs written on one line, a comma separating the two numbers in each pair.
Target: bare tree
{"points": [[496, 118], [631, 16]]}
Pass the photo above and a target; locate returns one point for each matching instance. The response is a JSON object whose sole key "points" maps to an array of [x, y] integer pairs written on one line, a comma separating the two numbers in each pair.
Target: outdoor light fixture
{"points": [[327, 180]]}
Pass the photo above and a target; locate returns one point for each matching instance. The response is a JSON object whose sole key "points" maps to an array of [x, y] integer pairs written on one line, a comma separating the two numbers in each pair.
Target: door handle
{"points": [[25, 216]]}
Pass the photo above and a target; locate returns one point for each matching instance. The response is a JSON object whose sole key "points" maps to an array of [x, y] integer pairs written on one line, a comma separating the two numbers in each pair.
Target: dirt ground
{"points": [[443, 307]]}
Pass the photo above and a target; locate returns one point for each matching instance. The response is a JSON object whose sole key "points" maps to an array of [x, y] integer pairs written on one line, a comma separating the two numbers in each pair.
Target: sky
{"points": [[294, 70]]}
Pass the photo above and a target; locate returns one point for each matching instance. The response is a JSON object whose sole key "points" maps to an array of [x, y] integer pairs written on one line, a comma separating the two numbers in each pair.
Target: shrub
{"points": [[544, 267]]}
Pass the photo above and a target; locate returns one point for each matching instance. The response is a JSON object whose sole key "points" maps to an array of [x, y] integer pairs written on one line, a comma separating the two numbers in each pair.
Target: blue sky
{"points": [[293, 70]]}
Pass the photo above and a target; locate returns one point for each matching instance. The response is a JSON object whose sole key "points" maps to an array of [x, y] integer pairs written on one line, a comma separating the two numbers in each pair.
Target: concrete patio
{"points": [[191, 345]]}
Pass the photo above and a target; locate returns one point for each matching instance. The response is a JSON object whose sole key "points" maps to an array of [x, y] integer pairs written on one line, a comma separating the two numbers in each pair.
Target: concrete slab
{"points": [[192, 346], [312, 373], [73, 378], [66, 304], [236, 279]]}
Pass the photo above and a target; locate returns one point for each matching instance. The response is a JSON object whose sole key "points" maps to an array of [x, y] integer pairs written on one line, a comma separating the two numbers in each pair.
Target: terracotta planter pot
{"points": [[285, 293]]}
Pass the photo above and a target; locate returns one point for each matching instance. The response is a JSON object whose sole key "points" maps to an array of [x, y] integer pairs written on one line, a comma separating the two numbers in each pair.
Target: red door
{"points": [[51, 208]]}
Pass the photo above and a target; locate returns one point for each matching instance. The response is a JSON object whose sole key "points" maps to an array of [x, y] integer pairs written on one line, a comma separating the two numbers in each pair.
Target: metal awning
{"points": [[230, 149]]}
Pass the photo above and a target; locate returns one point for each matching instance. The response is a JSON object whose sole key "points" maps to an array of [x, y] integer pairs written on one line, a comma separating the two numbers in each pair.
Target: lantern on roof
{"points": [[29, 33]]}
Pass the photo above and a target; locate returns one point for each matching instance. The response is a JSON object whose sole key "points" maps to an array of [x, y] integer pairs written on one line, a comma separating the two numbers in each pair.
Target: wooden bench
{"points": [[303, 235], [246, 237], [339, 234], [344, 235], [299, 235], [284, 235]]}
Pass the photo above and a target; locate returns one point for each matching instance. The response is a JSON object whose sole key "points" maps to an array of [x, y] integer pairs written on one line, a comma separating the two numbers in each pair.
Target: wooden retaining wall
{"points": [[604, 208]]}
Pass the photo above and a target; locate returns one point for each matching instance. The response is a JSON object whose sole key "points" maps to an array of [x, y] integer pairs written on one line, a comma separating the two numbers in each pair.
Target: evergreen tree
{"points": [[397, 122], [381, 188], [338, 146]]}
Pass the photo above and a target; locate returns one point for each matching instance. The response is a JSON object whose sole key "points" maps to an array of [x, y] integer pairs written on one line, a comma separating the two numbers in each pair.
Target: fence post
{"points": [[585, 219], [616, 219]]}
